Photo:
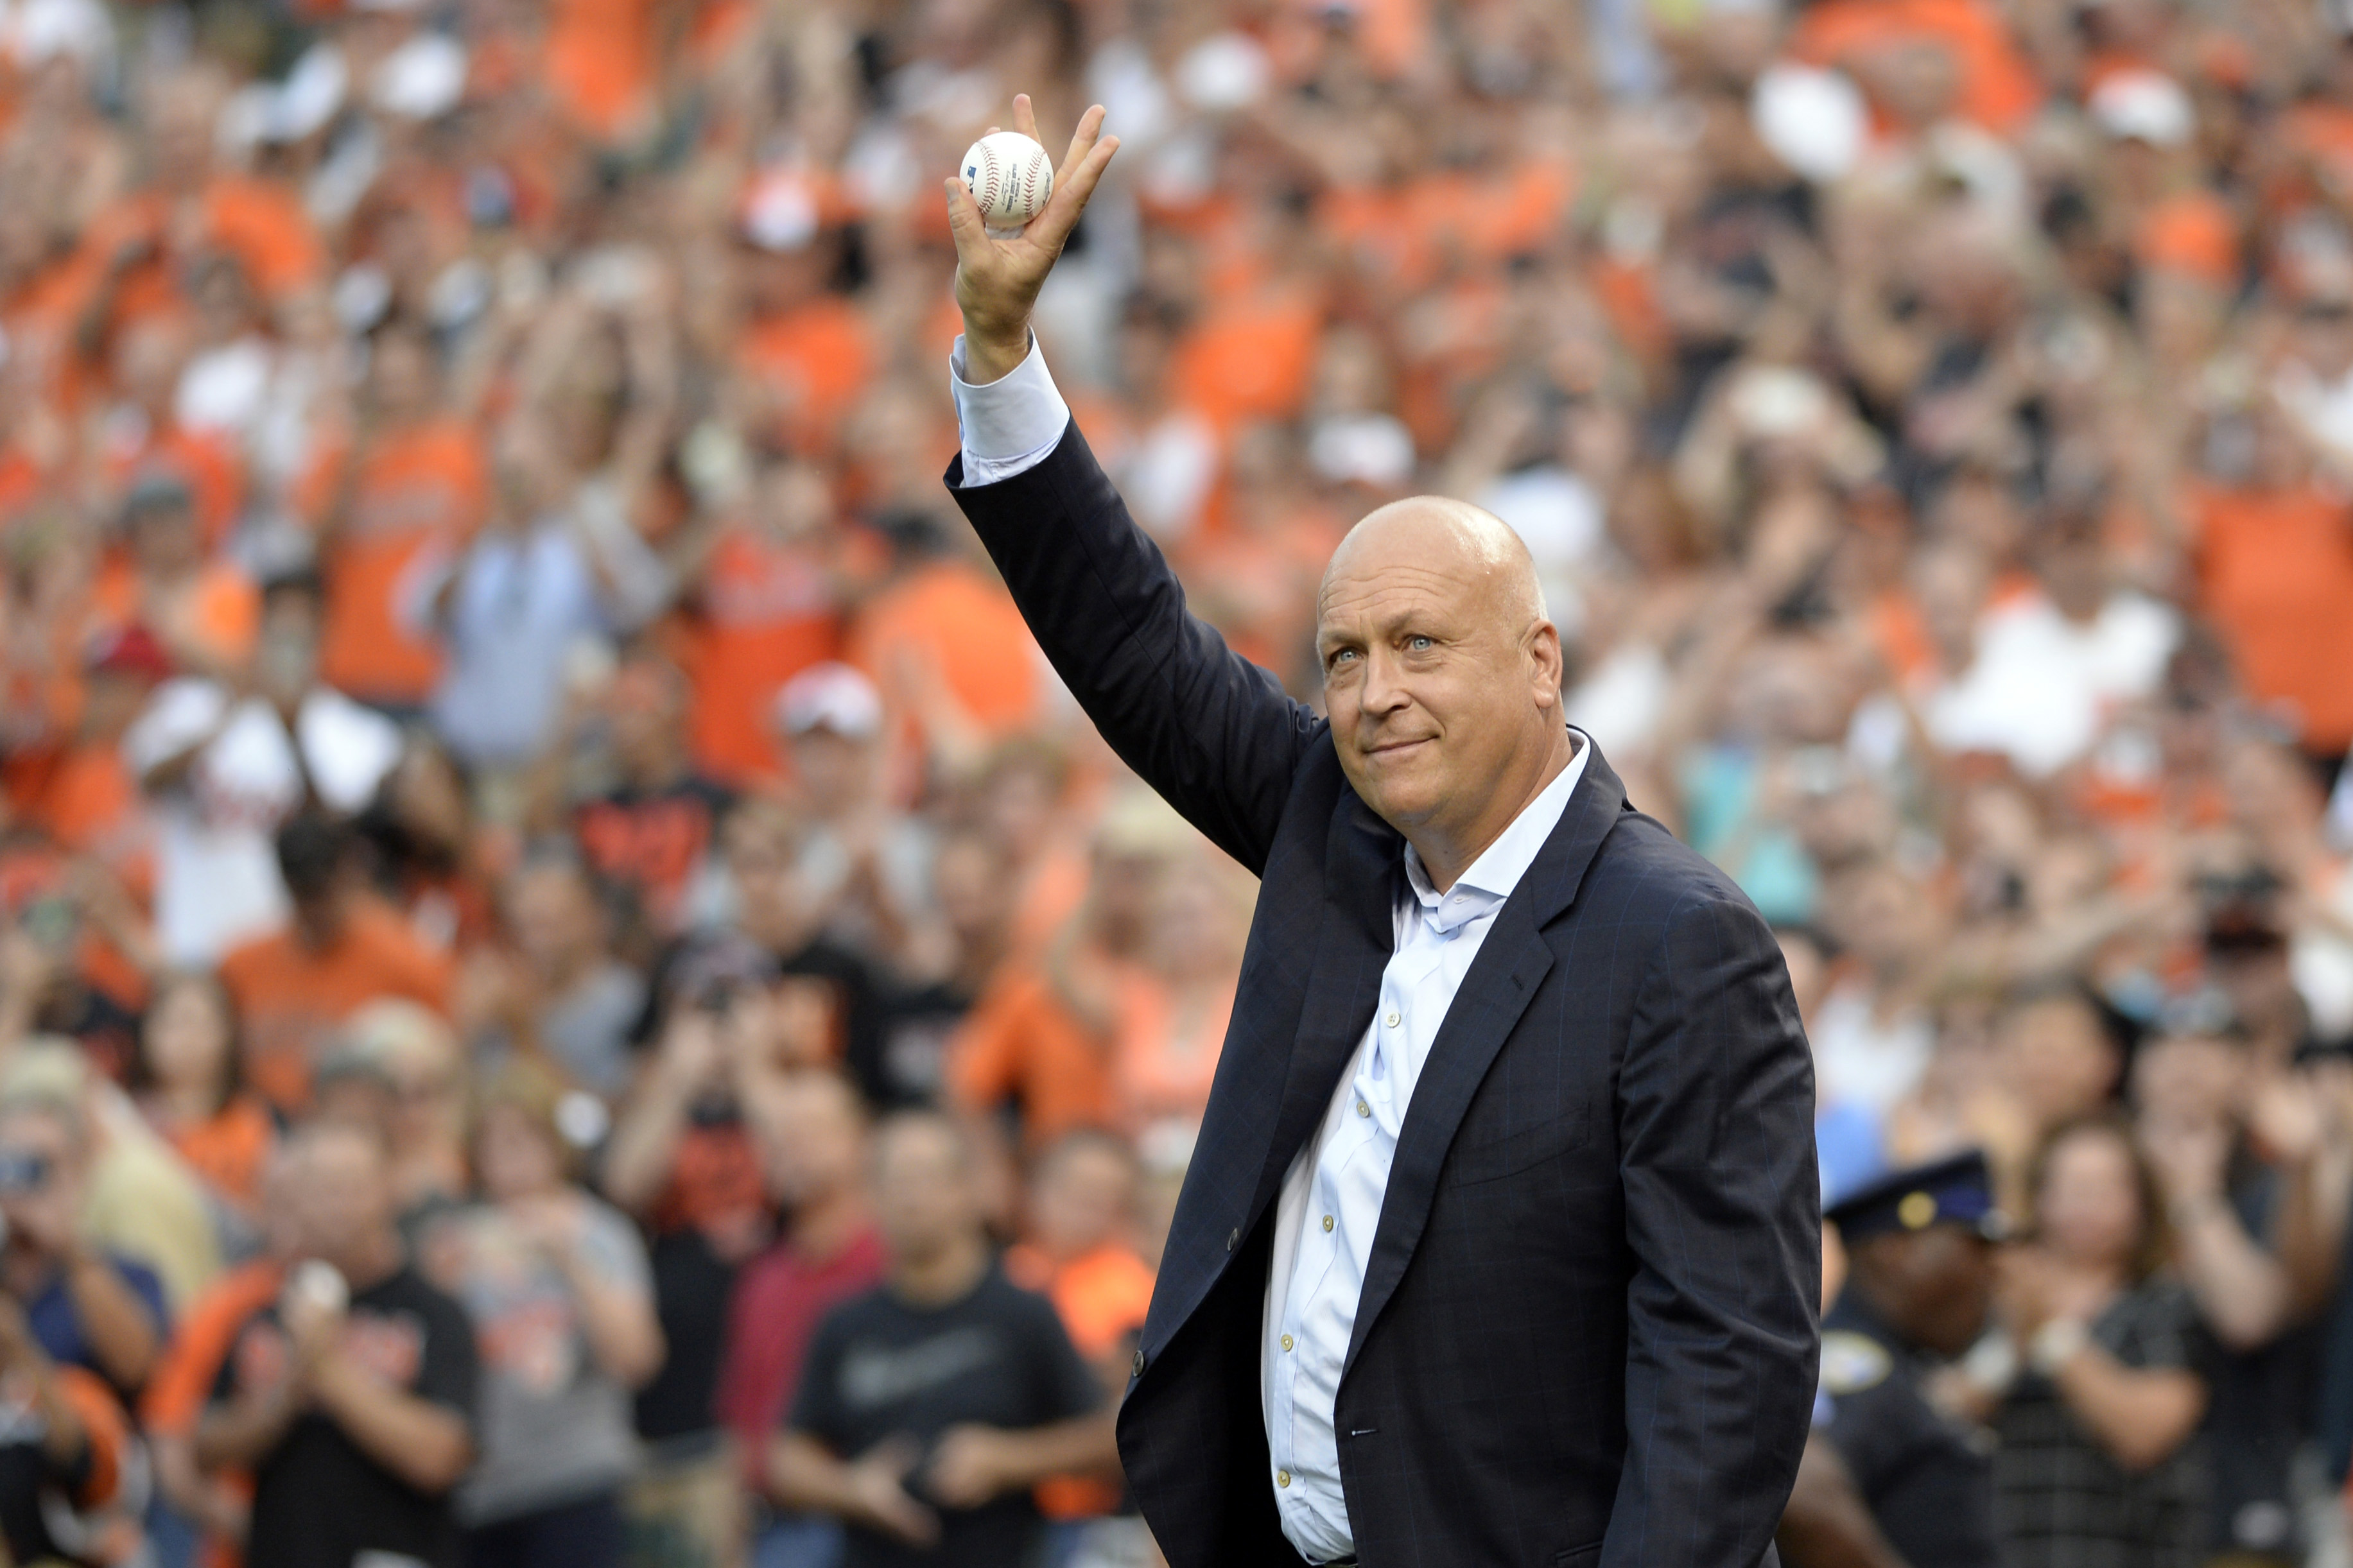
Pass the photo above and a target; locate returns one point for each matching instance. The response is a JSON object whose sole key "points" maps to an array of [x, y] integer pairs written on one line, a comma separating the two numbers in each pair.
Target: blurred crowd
{"points": [[568, 979]]}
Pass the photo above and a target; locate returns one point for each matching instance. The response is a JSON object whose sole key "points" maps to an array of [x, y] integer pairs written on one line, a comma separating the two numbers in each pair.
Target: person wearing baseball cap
{"points": [[858, 854], [1890, 1477]]}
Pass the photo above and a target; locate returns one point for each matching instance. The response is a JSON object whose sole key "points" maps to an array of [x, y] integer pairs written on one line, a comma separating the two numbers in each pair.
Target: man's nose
{"points": [[1383, 692]]}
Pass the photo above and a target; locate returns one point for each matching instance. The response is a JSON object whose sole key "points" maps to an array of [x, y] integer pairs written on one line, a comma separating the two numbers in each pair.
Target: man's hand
{"points": [[965, 1471], [997, 280], [878, 1481]]}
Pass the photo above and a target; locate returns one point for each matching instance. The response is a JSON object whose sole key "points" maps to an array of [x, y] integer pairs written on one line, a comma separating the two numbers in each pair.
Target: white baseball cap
{"points": [[830, 696], [2144, 106]]}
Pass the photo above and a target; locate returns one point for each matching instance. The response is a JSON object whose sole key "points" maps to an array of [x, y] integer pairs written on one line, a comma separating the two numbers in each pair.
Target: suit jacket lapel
{"points": [[1362, 863], [1500, 983]]}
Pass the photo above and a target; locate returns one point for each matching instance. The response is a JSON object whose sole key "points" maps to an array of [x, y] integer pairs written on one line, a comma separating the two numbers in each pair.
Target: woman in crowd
{"points": [[189, 1087], [2095, 1468], [561, 1299]]}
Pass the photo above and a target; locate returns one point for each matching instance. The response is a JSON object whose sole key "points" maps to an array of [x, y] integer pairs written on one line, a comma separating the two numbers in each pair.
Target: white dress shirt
{"points": [[1010, 425], [1331, 1203]]}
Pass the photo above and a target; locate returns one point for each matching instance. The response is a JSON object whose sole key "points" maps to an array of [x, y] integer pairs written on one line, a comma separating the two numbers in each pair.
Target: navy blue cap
{"points": [[1955, 1190]]}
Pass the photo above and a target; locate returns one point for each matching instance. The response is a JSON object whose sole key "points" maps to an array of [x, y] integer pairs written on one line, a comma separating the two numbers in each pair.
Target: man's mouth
{"points": [[1396, 748]]}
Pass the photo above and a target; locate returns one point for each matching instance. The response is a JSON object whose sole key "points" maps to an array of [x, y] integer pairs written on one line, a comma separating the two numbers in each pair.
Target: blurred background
{"points": [[510, 759]]}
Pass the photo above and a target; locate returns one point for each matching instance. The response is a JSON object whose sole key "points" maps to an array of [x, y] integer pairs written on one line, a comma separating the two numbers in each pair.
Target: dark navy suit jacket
{"points": [[1587, 1332]]}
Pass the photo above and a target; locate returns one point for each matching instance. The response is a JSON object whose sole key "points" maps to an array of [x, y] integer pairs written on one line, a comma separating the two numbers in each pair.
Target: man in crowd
{"points": [[1890, 1479], [813, 1145], [350, 1397], [929, 1407]]}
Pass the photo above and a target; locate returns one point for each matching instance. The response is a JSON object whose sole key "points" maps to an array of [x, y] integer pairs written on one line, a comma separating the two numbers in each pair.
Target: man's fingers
{"points": [[1025, 118], [1082, 140], [966, 225], [1052, 228]]}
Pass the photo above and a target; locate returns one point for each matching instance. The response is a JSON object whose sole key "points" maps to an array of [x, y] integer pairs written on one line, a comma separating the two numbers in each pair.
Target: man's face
{"points": [[553, 914], [1433, 669], [922, 1189], [835, 770], [819, 1147], [1935, 1286], [346, 1195]]}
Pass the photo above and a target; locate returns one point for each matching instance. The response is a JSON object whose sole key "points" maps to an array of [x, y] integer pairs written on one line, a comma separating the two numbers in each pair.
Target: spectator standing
{"points": [[355, 1416], [189, 1082], [562, 1301], [1889, 1477], [684, 1160], [87, 1307], [816, 1157], [342, 950], [929, 1408], [575, 999], [2095, 1466], [2229, 1209], [229, 766]]}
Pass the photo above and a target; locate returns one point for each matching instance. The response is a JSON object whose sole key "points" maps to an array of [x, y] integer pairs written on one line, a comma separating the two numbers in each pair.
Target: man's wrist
{"points": [[992, 355]]}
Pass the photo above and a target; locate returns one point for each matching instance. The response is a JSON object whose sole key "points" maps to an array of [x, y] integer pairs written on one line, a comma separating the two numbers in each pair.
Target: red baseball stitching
{"points": [[988, 166]]}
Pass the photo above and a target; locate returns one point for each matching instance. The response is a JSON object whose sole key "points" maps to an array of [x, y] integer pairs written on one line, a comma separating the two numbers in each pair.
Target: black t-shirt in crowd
{"points": [[318, 1500], [880, 1368]]}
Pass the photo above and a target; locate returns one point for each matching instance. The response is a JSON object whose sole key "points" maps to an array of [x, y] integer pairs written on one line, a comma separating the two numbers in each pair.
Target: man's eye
{"points": [[1420, 644], [1342, 657]]}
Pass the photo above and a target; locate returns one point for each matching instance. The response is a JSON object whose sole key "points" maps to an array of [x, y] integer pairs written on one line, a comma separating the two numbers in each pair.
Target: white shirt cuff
{"points": [[1011, 424]]}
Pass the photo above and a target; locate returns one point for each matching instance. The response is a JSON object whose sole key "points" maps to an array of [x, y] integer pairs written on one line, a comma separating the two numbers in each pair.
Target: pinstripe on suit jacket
{"points": [[1587, 1332]]}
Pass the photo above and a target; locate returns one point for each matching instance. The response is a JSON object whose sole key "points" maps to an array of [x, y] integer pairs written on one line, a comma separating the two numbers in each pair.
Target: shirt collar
{"points": [[1496, 873]]}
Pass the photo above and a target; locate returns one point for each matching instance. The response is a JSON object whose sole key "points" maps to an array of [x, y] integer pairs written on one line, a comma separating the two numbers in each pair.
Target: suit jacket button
{"points": [[1233, 1239], [1135, 1367]]}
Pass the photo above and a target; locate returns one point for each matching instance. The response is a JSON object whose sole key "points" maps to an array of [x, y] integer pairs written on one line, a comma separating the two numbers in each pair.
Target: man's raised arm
{"points": [[1211, 731]]}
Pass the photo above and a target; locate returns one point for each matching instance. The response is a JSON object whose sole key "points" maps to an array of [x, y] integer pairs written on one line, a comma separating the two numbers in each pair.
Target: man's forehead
{"points": [[1426, 551]]}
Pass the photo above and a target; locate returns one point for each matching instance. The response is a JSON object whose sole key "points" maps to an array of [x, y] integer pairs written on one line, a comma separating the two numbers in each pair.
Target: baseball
{"points": [[1009, 177], [323, 1285]]}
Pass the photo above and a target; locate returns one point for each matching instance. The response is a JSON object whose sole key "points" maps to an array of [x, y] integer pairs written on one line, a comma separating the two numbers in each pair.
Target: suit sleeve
{"points": [[1214, 733], [1722, 1215]]}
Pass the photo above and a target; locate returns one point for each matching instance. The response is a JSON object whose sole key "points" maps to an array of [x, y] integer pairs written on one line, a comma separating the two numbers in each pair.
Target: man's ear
{"points": [[1543, 653]]}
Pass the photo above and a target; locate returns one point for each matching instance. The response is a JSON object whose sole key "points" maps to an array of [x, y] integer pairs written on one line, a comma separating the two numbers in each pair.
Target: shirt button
{"points": [[1327, 1222], [1233, 1239], [1363, 1109], [1392, 1019], [1286, 1341], [1135, 1367], [1282, 1478]]}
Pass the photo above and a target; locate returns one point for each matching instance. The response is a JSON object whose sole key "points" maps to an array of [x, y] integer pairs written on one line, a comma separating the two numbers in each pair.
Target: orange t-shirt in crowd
{"points": [[262, 223], [1250, 358], [1101, 1297], [816, 359], [1998, 90], [599, 58], [222, 616], [2276, 572], [185, 1374], [291, 1000], [768, 613], [88, 802], [963, 625], [228, 1150], [1161, 1074], [413, 487], [1021, 1043]]}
